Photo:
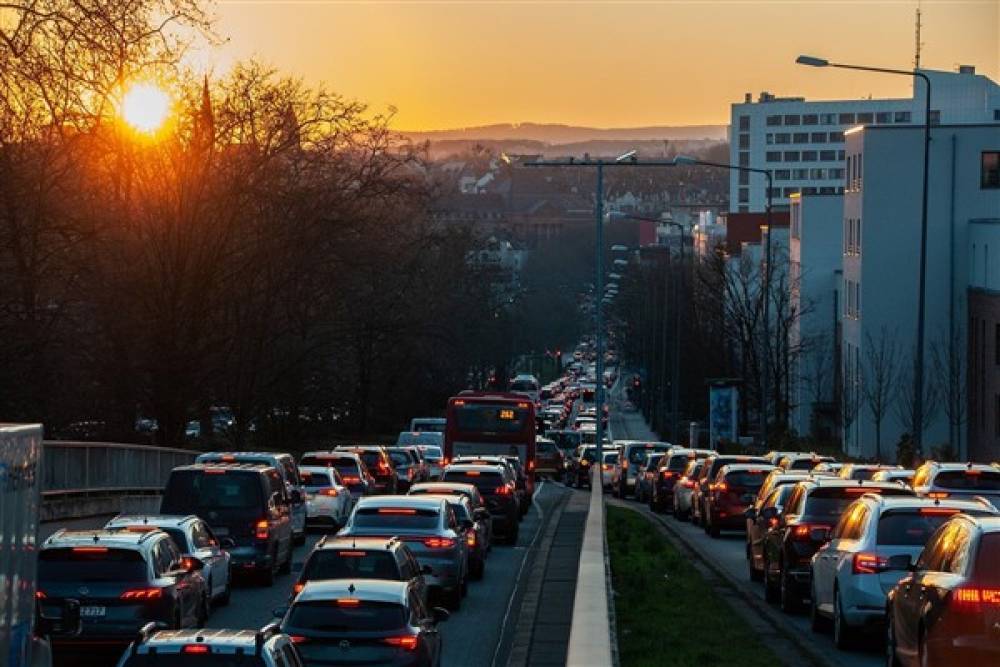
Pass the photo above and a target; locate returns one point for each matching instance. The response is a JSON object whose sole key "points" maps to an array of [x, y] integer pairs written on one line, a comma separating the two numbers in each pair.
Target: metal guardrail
{"points": [[107, 468]]}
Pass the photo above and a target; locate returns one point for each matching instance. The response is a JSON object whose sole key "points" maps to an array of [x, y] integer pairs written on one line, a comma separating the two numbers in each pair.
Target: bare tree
{"points": [[880, 380], [904, 404], [950, 371]]}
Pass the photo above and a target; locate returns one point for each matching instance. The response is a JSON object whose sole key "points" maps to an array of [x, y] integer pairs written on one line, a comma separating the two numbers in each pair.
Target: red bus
{"points": [[494, 424]]}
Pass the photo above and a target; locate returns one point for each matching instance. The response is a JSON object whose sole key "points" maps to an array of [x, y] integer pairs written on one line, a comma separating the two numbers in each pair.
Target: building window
{"points": [[745, 141], [773, 192], [800, 137], [990, 170], [808, 156], [800, 174], [996, 114], [791, 191], [744, 195], [828, 156], [773, 156], [817, 174], [828, 119], [840, 155], [744, 178], [836, 174], [743, 209], [782, 175], [883, 117], [810, 119], [865, 118], [782, 138], [819, 137], [935, 117], [836, 137], [769, 138], [808, 191], [773, 121], [744, 159], [744, 123], [846, 119], [827, 190], [902, 116], [857, 236], [791, 156], [792, 119]]}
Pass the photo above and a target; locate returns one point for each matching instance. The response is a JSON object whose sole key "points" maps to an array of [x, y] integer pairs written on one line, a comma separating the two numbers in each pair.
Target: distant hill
{"points": [[555, 134], [447, 148]]}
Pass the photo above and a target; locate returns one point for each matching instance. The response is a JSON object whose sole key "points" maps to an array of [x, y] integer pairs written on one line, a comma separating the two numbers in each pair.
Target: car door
{"points": [[906, 602], [827, 560], [758, 528], [206, 548], [188, 586], [421, 617], [416, 575]]}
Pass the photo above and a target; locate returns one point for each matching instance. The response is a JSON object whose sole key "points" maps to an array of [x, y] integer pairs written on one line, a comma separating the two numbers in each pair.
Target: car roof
{"points": [[873, 466], [742, 467], [416, 502], [114, 539], [363, 543], [221, 637], [244, 455], [235, 467], [431, 486], [462, 467], [839, 482], [373, 590], [314, 469], [360, 448], [961, 466], [152, 520], [907, 502]]}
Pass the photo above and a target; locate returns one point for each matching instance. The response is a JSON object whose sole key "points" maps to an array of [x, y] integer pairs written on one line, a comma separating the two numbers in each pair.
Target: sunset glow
{"points": [[145, 107]]}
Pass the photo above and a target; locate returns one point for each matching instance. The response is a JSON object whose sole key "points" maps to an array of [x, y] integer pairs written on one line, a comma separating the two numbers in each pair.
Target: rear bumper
{"points": [[250, 558]]}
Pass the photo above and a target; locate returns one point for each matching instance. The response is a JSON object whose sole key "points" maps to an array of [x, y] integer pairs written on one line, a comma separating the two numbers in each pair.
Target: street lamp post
{"points": [[765, 388], [918, 363]]}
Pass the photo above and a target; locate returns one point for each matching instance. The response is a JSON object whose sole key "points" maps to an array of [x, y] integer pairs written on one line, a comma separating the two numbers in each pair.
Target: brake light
{"points": [[228, 458], [215, 471], [439, 542], [472, 473], [298, 639], [503, 490], [973, 472], [470, 538], [408, 642], [937, 495], [531, 465], [200, 649], [40, 595], [348, 602], [721, 487], [142, 594], [974, 599], [352, 480], [141, 529], [666, 474], [868, 563], [806, 532], [608, 466], [329, 492], [687, 483], [396, 510], [351, 554], [938, 511], [383, 467], [90, 550], [297, 588], [860, 489], [261, 529]]}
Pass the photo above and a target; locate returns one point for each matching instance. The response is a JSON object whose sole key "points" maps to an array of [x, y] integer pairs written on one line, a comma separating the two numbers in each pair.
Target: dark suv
{"points": [[379, 464], [809, 514], [248, 503], [699, 498], [122, 580], [363, 558], [496, 485]]}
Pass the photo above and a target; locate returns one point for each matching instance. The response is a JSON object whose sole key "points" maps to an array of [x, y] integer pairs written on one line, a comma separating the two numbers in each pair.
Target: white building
{"points": [[815, 274], [881, 240], [802, 142]]}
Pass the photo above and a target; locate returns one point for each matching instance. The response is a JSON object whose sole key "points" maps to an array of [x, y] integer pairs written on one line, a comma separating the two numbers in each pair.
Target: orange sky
{"points": [[448, 64]]}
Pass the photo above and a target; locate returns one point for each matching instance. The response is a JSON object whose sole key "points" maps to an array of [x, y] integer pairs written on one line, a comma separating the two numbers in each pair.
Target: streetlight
{"points": [[766, 381], [618, 247], [918, 363], [615, 276]]}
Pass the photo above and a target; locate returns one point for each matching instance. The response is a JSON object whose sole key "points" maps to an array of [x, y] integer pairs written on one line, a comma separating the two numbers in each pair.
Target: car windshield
{"points": [[350, 564], [179, 538], [831, 502], [611, 458], [193, 660], [678, 462], [746, 479], [968, 480], [908, 528], [331, 616], [395, 518], [91, 564], [480, 418], [432, 453], [316, 480], [325, 460], [212, 490]]}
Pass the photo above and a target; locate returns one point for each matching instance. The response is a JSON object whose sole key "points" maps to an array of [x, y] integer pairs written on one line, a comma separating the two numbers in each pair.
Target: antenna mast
{"points": [[916, 51]]}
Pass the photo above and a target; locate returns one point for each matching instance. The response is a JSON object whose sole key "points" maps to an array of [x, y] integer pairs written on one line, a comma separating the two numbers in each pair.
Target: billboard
{"points": [[723, 414]]}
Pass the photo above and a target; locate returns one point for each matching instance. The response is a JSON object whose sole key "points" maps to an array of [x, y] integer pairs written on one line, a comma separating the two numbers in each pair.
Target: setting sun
{"points": [[145, 107]]}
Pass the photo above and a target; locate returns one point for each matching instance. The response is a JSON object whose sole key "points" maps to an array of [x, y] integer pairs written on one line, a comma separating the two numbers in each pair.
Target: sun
{"points": [[145, 107]]}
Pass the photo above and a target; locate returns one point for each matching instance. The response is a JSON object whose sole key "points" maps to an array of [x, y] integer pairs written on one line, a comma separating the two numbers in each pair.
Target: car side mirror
{"points": [[751, 513], [768, 513], [899, 562], [296, 496], [227, 543], [279, 612], [426, 569], [440, 614], [192, 564]]}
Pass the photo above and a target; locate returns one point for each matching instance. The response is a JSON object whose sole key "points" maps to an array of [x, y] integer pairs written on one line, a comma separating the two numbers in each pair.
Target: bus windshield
{"points": [[485, 418]]}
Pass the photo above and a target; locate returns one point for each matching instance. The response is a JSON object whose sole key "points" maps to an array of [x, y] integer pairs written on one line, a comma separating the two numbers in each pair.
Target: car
{"points": [[958, 480], [512, 463], [649, 470], [409, 465], [902, 476], [480, 512], [379, 464], [853, 572], [608, 468], [267, 647], [548, 458], [671, 467], [706, 475], [827, 468], [864, 470], [946, 610], [434, 456], [496, 485], [527, 384], [804, 524], [428, 424], [328, 500], [476, 529], [245, 502], [353, 471], [684, 489], [633, 453], [122, 580], [774, 457], [567, 440], [803, 460], [731, 494], [582, 459], [363, 621], [778, 477], [429, 527], [286, 467], [761, 518], [193, 537], [389, 558], [420, 439]]}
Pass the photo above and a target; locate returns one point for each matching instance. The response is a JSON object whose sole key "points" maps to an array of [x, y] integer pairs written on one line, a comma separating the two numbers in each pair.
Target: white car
{"points": [[608, 468], [328, 500], [193, 537], [867, 555]]}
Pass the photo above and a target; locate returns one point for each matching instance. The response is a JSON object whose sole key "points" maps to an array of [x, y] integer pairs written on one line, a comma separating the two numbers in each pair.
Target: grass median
{"points": [[666, 612]]}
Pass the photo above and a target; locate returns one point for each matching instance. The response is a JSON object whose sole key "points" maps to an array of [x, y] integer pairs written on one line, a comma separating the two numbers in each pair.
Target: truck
{"points": [[24, 624]]}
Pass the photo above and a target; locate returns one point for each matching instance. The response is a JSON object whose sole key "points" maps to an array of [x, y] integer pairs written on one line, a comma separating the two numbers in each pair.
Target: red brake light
{"points": [[228, 458], [298, 639], [938, 511], [503, 490], [40, 595], [90, 550], [973, 472], [472, 473], [408, 642], [396, 510], [351, 554], [196, 648], [937, 495], [141, 529], [806, 532], [215, 471], [352, 480], [297, 588], [142, 594], [329, 492], [868, 563], [260, 529], [439, 542], [348, 602], [666, 474]]}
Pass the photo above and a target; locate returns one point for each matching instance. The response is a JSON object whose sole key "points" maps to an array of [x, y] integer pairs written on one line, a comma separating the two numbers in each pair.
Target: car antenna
{"points": [[351, 589], [96, 538]]}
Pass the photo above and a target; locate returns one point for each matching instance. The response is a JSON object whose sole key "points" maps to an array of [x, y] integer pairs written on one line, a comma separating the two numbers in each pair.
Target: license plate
{"points": [[221, 532], [92, 612]]}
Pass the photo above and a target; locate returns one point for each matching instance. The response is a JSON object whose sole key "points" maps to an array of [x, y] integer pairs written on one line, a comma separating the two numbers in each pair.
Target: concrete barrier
{"points": [[590, 637]]}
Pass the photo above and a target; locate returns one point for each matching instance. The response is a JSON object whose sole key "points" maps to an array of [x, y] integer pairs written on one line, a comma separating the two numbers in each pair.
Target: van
{"points": [[286, 467], [247, 503]]}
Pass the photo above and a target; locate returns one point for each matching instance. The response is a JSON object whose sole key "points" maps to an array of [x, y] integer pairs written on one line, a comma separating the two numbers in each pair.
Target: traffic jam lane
{"points": [[727, 554]]}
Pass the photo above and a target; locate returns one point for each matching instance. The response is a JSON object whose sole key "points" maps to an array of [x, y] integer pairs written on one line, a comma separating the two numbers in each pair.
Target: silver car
{"points": [[429, 527], [684, 488]]}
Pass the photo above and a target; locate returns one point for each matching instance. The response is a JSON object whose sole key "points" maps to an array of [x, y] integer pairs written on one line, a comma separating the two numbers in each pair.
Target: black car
{"points": [[475, 531], [122, 580], [362, 558], [363, 621], [496, 485], [245, 502], [671, 469], [379, 465], [580, 464], [810, 513], [699, 499]]}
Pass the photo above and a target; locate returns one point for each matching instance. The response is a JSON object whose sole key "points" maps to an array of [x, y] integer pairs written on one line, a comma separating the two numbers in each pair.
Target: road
{"points": [[471, 636]]}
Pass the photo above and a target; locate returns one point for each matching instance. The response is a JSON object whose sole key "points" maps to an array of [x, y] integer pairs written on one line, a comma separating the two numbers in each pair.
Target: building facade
{"points": [[984, 339]]}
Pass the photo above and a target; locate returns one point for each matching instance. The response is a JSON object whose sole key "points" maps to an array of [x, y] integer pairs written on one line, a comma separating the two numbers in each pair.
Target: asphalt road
{"points": [[470, 637]]}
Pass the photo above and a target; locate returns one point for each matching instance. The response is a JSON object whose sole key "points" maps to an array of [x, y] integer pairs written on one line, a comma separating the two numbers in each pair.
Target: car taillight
{"points": [[721, 487], [439, 542], [198, 649], [408, 642], [40, 595], [687, 483], [810, 532], [352, 480], [937, 495], [298, 639], [329, 492], [868, 563], [666, 474], [142, 594], [260, 529], [608, 466], [470, 538], [297, 588], [503, 490], [972, 599]]}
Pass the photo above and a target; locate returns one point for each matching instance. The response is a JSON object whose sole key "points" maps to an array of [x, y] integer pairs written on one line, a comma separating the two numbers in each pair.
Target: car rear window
{"points": [[316, 480], [545, 447], [400, 458], [678, 462], [746, 479], [987, 567], [371, 459], [432, 453], [192, 490], [329, 616], [178, 659], [91, 564], [485, 481], [325, 460], [908, 528], [831, 501], [350, 564], [395, 518], [654, 462], [803, 464], [611, 458], [968, 480], [179, 538], [638, 454], [863, 473]]}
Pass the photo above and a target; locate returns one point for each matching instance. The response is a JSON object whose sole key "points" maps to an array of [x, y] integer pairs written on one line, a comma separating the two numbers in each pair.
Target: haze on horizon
{"points": [[604, 63]]}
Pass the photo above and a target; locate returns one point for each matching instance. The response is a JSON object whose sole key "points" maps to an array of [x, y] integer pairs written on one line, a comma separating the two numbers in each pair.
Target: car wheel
{"points": [[789, 603], [891, 659], [755, 574], [841, 630], [817, 621], [770, 590]]}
